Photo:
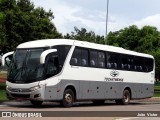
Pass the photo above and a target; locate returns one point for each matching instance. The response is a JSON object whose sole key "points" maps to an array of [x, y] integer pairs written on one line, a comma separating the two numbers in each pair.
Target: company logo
{"points": [[20, 90], [114, 73]]}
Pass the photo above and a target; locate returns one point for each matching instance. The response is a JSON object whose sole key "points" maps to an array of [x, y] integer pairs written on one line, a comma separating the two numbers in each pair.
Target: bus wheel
{"points": [[68, 98], [125, 98], [36, 103]]}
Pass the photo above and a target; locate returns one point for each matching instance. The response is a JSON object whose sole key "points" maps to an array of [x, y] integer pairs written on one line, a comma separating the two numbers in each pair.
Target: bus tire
{"points": [[125, 98], [36, 103], [68, 98]]}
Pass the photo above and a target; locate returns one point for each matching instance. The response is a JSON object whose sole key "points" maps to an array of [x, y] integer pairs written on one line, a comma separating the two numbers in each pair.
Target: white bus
{"points": [[69, 70]]}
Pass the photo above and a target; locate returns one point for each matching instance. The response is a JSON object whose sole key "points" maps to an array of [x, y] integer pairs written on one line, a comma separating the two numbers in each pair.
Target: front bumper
{"points": [[35, 93]]}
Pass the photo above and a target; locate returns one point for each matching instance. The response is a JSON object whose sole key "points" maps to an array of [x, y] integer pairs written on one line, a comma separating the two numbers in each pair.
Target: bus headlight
{"points": [[7, 87], [34, 88]]}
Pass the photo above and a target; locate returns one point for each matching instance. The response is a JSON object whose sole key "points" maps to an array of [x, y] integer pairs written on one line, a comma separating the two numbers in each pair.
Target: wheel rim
{"points": [[126, 98], [68, 98]]}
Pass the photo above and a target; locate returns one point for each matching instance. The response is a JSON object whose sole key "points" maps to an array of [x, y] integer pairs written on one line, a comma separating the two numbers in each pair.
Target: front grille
{"points": [[19, 90], [20, 95]]}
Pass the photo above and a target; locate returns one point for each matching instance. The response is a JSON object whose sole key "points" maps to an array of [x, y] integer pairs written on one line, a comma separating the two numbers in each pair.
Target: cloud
{"points": [[153, 20], [68, 15], [64, 19], [119, 22]]}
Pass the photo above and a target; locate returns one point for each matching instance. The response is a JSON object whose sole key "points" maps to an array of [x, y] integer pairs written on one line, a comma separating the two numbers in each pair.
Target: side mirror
{"points": [[45, 53], [4, 58]]}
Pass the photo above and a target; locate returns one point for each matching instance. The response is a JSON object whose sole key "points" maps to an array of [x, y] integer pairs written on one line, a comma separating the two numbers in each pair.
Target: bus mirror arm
{"points": [[45, 53], [5, 56]]}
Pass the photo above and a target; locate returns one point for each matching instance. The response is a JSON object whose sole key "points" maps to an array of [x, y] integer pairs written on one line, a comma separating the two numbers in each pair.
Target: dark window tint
{"points": [[76, 57], [131, 63], [52, 67], [127, 62], [139, 64], [84, 57], [101, 59], [79, 57], [62, 51], [93, 58], [112, 60], [148, 67]]}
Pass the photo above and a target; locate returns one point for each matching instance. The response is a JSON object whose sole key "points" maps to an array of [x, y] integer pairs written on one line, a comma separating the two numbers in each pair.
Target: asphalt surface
{"points": [[136, 110]]}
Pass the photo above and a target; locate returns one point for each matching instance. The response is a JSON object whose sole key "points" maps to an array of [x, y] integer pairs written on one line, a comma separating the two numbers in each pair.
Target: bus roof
{"points": [[53, 42], [45, 43]]}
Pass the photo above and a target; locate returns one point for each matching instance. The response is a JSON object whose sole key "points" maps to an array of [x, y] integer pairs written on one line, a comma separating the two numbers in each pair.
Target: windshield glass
{"points": [[25, 66]]}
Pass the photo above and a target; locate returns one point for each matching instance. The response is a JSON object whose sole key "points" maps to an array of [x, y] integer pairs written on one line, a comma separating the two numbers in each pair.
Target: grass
{"points": [[156, 88], [157, 94], [3, 95], [3, 91], [2, 86]]}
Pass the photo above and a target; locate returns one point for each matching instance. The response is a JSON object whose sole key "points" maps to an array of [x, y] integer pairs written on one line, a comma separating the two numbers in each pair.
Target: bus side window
{"points": [[52, 65], [79, 57], [76, 57], [109, 61], [131, 63], [112, 60], [74, 61], [93, 58], [84, 57], [124, 62], [139, 64], [62, 57], [101, 59], [148, 65], [127, 62]]}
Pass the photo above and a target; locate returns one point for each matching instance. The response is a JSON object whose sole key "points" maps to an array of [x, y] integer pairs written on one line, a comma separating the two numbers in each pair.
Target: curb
{"points": [[153, 99]]}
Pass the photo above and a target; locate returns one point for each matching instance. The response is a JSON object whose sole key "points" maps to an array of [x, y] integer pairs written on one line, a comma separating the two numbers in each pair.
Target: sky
{"points": [[91, 14]]}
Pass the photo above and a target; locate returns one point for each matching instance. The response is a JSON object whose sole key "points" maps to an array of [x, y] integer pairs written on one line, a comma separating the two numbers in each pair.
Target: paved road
{"points": [[86, 110]]}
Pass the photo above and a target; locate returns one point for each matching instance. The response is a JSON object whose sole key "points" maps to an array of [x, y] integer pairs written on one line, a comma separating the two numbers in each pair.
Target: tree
{"points": [[23, 22], [2, 34], [127, 38], [83, 35], [149, 39], [145, 40], [141, 40]]}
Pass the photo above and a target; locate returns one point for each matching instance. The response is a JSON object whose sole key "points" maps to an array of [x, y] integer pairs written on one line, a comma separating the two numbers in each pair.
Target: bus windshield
{"points": [[25, 66]]}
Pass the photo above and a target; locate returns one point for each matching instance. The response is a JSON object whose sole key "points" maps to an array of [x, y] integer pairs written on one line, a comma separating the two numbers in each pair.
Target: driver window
{"points": [[52, 65]]}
